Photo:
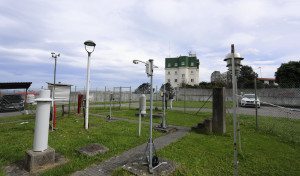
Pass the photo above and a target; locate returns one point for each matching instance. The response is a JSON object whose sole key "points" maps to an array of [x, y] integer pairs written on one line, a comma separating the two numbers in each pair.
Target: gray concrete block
{"points": [[92, 149], [141, 169], [167, 130], [219, 111], [35, 160]]}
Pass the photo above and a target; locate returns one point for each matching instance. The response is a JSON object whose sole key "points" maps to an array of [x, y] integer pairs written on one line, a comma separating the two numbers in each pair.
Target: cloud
{"points": [[264, 32]]}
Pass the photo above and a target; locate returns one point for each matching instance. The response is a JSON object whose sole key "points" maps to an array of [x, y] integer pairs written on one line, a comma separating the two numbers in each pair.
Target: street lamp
{"points": [[89, 47], [233, 63], [53, 89], [149, 71]]}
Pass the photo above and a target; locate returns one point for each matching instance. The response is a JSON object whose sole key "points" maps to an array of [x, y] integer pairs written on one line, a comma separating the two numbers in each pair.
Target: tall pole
{"points": [[234, 109], [184, 95], [156, 97], [53, 91], [255, 87], [163, 125], [150, 128], [87, 93]]}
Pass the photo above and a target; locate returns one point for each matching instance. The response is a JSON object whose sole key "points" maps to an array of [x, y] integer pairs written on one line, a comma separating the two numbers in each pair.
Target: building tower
{"points": [[182, 69]]}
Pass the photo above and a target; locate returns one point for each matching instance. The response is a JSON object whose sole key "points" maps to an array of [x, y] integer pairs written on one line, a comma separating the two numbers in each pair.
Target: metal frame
{"points": [[149, 70]]}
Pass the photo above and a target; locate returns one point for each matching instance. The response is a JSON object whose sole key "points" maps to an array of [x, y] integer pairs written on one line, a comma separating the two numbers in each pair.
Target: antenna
{"points": [[169, 49]]}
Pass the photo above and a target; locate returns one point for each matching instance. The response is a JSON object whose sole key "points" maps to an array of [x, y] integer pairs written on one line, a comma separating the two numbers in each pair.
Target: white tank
{"points": [[143, 104]]}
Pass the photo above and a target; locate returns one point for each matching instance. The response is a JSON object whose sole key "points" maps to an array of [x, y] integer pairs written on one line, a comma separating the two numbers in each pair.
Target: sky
{"points": [[265, 32]]}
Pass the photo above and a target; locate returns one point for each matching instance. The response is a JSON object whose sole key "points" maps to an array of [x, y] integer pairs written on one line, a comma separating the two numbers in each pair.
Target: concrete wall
{"points": [[278, 96]]}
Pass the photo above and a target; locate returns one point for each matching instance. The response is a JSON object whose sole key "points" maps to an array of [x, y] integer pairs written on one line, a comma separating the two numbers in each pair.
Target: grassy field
{"points": [[118, 136], [264, 152], [273, 149]]}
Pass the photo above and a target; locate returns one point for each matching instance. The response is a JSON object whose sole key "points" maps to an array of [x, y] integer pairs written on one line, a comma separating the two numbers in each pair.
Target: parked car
{"points": [[249, 100], [11, 103]]}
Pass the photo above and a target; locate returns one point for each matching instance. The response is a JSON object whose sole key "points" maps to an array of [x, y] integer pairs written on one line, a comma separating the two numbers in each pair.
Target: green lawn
{"points": [[118, 136], [265, 152], [16, 118], [274, 149]]}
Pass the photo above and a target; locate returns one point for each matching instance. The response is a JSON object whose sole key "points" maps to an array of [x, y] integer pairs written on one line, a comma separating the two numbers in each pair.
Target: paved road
{"points": [[263, 111]]}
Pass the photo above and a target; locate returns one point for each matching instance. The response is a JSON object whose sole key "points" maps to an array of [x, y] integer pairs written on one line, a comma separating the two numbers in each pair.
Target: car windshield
{"points": [[249, 96], [13, 98]]}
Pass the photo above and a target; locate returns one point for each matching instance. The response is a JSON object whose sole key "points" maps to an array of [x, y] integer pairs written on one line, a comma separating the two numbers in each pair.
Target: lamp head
{"points": [[135, 61], [90, 43], [91, 46]]}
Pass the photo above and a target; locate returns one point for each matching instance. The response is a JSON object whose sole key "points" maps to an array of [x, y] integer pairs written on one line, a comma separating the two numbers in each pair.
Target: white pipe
{"points": [[87, 94], [140, 121], [41, 130]]}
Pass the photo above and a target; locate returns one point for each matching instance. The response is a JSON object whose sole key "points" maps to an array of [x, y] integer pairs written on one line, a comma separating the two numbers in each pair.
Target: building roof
{"points": [[266, 79], [182, 61], [15, 85], [58, 84]]}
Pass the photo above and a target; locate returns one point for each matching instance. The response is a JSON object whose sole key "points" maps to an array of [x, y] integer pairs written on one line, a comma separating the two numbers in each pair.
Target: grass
{"points": [[274, 149], [264, 152], [16, 118], [189, 104], [118, 136]]}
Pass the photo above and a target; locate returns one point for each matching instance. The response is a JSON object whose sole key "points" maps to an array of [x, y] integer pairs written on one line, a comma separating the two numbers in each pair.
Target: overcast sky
{"points": [[265, 32]]}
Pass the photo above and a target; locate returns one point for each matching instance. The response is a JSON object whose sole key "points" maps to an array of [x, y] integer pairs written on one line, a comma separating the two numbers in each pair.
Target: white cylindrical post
{"points": [[164, 109], [41, 130], [140, 123], [143, 104], [87, 94]]}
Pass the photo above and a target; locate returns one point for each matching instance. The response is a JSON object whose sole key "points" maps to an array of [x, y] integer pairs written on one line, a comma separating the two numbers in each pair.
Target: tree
{"points": [[245, 79], [288, 75], [168, 88], [144, 88]]}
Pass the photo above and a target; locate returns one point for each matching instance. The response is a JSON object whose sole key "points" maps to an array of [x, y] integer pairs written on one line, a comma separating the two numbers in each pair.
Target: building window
{"points": [[176, 64], [175, 72], [192, 64], [182, 63], [192, 71], [169, 80], [169, 64], [183, 76], [192, 80], [169, 72], [175, 80]]}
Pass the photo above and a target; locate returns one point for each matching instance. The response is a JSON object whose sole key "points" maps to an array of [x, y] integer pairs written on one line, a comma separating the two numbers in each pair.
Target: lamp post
{"points": [[91, 45], [233, 63], [53, 89], [149, 71]]}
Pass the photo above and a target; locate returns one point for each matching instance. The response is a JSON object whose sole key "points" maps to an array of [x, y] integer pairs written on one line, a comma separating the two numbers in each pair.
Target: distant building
{"points": [[182, 69], [269, 81], [215, 76]]}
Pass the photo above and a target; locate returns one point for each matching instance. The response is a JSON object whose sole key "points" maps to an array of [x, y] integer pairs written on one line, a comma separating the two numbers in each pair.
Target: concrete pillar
{"points": [[219, 111]]}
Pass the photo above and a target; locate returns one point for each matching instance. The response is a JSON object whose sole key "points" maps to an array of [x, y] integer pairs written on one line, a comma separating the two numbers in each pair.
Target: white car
{"points": [[249, 100]]}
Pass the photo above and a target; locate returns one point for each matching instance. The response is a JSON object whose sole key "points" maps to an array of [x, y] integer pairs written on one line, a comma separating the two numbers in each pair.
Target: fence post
{"points": [[129, 97], [104, 97]]}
